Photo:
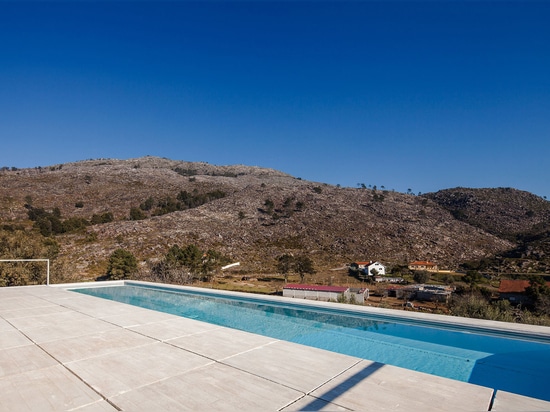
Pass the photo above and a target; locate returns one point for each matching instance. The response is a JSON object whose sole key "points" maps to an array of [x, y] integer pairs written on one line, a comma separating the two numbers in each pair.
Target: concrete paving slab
{"points": [[49, 389], [5, 325], [41, 291], [22, 359], [12, 339], [93, 345], [173, 327], [25, 323], [129, 369], [511, 402], [309, 403], [213, 388], [137, 317], [91, 306], [300, 367], [60, 326], [221, 343], [100, 406], [375, 386], [21, 302], [39, 311]]}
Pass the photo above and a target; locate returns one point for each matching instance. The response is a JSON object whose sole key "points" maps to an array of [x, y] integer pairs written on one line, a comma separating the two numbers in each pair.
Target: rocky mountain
{"points": [[518, 216], [253, 215], [503, 212]]}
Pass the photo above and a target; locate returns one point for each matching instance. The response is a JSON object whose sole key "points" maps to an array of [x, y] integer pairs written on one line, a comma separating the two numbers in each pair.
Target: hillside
{"points": [[503, 212], [259, 214], [519, 216]]}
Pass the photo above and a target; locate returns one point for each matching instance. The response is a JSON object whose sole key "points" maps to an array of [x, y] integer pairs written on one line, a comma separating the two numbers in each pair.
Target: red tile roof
{"points": [[316, 288], [514, 286], [422, 263]]}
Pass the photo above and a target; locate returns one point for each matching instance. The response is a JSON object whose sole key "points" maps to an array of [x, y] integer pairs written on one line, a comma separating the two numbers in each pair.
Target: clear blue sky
{"points": [[407, 95]]}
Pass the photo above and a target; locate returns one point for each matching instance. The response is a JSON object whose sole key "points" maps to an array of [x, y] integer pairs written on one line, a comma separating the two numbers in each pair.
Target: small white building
{"points": [[367, 268], [322, 292], [380, 279]]}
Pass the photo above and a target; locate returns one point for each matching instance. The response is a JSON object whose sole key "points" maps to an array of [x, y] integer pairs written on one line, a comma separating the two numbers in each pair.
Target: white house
{"points": [[369, 267]]}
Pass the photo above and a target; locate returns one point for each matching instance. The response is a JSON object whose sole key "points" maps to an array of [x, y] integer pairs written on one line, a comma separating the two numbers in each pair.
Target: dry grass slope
{"points": [[265, 213]]}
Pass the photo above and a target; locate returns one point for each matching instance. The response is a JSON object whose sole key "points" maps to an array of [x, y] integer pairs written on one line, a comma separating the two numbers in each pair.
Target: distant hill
{"points": [[518, 216], [254, 214], [503, 212]]}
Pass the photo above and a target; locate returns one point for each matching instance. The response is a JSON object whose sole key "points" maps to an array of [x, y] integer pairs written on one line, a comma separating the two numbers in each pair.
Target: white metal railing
{"points": [[33, 260]]}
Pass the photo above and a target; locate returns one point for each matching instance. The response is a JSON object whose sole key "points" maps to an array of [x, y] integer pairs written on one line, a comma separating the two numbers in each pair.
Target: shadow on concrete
{"points": [[332, 394]]}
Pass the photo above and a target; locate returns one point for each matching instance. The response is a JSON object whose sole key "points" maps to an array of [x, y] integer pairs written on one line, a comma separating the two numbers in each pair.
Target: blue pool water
{"points": [[494, 360]]}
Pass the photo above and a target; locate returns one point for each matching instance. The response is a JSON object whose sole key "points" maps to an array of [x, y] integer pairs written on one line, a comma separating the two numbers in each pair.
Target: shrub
{"points": [[103, 218], [136, 214], [122, 263], [74, 224], [421, 276]]}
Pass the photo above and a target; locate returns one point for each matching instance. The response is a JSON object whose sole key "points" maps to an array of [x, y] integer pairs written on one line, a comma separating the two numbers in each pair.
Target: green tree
{"points": [[187, 259], [167, 205], [537, 287], [421, 276], [192, 259], [75, 224], [474, 305], [472, 278], [122, 264], [288, 206], [358, 273], [269, 205], [189, 263], [136, 214], [148, 204], [303, 265], [102, 218], [48, 223], [539, 292], [211, 261], [284, 265]]}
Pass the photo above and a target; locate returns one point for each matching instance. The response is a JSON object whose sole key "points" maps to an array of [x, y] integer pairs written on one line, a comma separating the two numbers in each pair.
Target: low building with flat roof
{"points": [[323, 292]]}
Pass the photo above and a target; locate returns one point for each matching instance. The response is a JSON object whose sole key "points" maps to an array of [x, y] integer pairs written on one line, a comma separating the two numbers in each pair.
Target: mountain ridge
{"points": [[264, 213]]}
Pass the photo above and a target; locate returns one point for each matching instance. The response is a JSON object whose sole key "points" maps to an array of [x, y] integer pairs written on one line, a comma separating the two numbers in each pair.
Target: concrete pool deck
{"points": [[61, 350]]}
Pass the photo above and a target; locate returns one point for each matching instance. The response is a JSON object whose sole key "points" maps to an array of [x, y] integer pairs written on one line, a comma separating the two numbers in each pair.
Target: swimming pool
{"points": [[500, 359]]}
